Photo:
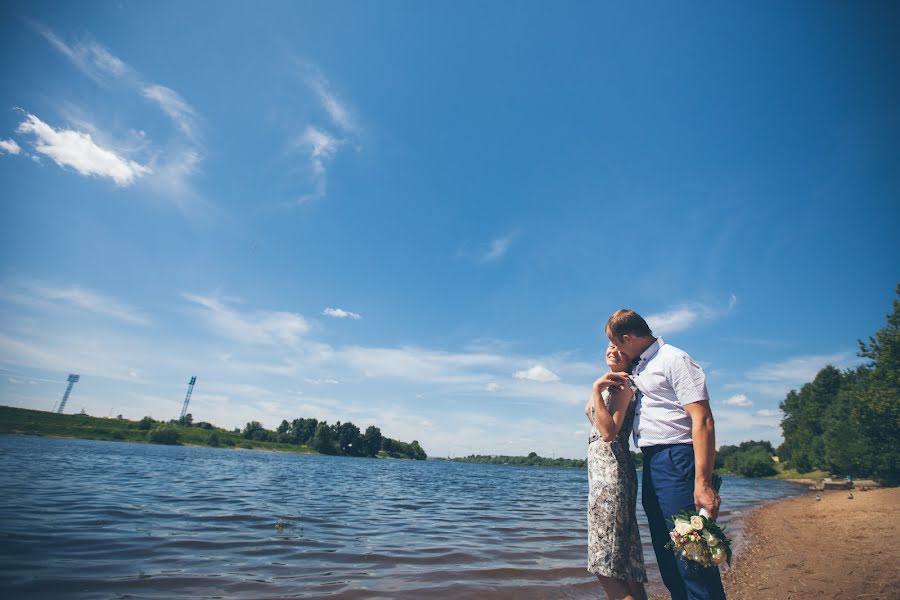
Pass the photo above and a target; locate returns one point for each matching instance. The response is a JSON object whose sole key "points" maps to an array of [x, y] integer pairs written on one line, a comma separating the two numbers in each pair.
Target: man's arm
{"points": [[703, 434]]}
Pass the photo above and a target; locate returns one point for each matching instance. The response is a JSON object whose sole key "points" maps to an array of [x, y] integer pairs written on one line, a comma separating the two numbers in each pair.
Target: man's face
{"points": [[627, 344]]}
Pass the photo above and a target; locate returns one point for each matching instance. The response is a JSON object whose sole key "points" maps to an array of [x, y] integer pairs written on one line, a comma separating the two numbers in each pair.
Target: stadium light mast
{"points": [[187, 398], [73, 379]]}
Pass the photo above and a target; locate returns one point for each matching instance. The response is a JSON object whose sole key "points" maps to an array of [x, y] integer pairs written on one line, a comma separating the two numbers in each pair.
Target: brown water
{"points": [[84, 519]]}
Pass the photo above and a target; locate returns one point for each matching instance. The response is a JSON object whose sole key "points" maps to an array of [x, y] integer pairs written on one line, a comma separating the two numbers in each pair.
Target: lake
{"points": [[87, 519]]}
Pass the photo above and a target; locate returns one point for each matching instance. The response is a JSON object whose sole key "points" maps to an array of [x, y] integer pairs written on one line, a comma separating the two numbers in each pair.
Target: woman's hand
{"points": [[616, 381]]}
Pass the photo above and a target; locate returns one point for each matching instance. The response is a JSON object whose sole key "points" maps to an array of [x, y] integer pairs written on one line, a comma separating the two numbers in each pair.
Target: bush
{"points": [[751, 464], [229, 442], [164, 434], [145, 424], [118, 435], [213, 439]]}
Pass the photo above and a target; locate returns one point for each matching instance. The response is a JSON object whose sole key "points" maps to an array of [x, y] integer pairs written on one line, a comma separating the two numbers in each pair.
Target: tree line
{"points": [[848, 422], [341, 439]]}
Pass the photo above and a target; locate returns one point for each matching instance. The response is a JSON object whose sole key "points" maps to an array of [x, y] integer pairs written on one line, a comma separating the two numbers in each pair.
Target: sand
{"points": [[831, 548]]}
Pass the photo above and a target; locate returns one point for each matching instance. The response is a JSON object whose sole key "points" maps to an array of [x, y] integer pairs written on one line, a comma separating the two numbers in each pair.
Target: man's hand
{"points": [[706, 497]]}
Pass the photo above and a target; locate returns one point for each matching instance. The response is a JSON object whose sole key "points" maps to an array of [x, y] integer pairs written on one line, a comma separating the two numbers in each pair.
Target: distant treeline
{"points": [[533, 460], [340, 438], [848, 422]]}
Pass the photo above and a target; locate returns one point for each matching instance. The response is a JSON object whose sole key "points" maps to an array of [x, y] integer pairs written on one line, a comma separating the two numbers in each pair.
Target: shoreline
{"points": [[835, 547]]}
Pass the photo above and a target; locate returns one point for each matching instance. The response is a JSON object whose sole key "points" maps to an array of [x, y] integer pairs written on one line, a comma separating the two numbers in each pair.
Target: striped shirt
{"points": [[668, 379]]}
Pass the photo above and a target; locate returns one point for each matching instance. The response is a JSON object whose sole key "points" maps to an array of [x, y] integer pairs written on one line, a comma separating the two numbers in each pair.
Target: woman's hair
{"points": [[627, 322]]}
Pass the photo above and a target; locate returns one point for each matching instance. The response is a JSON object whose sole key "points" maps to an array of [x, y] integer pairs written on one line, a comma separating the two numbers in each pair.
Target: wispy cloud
{"points": [[9, 147], [537, 373], [776, 379], [339, 112], [91, 58], [340, 313], [496, 249], [322, 381], [69, 148], [168, 167], [320, 148], [768, 412], [34, 293], [685, 316], [176, 107], [738, 400], [260, 327]]}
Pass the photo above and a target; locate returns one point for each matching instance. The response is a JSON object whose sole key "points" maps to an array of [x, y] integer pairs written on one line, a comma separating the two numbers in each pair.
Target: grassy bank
{"points": [[35, 422]]}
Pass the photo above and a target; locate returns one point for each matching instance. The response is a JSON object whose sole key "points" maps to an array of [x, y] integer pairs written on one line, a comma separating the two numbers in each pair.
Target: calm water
{"points": [[84, 519]]}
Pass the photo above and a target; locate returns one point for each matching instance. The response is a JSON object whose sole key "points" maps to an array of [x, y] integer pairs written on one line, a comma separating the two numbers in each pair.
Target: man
{"points": [[673, 427]]}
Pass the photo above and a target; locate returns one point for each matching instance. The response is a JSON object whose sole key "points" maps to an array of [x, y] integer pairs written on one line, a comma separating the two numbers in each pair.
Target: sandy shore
{"points": [[833, 548]]}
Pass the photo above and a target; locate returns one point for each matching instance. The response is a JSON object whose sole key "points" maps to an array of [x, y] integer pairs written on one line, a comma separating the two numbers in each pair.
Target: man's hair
{"points": [[627, 322]]}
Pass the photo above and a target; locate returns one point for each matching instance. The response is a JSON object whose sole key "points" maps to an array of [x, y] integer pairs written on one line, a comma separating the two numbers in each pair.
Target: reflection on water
{"points": [[115, 520]]}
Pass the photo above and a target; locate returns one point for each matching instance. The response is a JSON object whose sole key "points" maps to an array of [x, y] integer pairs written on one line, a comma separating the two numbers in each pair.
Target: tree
{"points": [[285, 427], [302, 430], [348, 438], [187, 420], [146, 423], [323, 439], [163, 434], [251, 428], [371, 441]]}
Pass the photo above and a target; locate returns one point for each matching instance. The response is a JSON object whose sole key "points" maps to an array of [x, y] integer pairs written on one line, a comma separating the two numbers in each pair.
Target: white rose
{"points": [[711, 540], [683, 527], [697, 523]]}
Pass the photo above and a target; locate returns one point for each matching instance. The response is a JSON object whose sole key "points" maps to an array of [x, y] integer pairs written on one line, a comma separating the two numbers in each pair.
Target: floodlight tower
{"points": [[187, 398], [73, 379]]}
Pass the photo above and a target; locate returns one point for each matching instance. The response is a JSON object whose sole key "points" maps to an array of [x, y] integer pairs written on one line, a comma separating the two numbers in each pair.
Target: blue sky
{"points": [[419, 215]]}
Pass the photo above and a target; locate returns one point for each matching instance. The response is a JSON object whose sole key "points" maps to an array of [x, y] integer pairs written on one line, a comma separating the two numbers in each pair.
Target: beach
{"points": [[835, 547]]}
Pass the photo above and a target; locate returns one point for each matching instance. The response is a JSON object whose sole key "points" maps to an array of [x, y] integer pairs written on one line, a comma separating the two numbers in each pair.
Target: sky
{"points": [[419, 215]]}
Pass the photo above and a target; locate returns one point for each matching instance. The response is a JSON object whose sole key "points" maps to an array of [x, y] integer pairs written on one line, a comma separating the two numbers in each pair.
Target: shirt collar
{"points": [[650, 352]]}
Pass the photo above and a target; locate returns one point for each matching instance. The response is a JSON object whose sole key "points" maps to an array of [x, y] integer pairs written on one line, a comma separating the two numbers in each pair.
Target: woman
{"points": [[614, 542]]}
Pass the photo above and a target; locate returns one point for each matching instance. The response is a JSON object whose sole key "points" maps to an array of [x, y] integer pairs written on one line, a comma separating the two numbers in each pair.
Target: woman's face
{"points": [[616, 359]]}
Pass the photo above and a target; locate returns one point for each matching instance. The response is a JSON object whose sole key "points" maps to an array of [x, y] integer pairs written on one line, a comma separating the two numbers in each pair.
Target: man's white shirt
{"points": [[668, 379]]}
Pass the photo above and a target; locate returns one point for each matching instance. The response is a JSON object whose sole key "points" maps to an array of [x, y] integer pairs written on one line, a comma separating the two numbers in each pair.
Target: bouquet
{"points": [[697, 539]]}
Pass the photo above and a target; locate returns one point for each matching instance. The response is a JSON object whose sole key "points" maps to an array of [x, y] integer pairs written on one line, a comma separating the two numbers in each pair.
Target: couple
{"points": [[660, 393]]}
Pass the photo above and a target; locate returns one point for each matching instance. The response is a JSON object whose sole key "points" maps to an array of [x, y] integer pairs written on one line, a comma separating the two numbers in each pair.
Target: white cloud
{"points": [[492, 387], [169, 168], [738, 400], [337, 110], [797, 369], [91, 58], [768, 412], [9, 147], [324, 381], [340, 313], [497, 249], [171, 103], [537, 373], [30, 293], [69, 148], [776, 379], [256, 327], [687, 315]]}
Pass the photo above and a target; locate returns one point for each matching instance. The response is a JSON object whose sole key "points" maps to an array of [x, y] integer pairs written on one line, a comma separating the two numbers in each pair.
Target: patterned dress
{"points": [[614, 542]]}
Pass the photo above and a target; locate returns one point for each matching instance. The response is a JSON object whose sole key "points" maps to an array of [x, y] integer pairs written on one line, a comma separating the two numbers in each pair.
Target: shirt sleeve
{"points": [[688, 380]]}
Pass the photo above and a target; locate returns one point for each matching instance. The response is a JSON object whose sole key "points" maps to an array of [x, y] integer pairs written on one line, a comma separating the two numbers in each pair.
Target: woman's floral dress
{"points": [[614, 542]]}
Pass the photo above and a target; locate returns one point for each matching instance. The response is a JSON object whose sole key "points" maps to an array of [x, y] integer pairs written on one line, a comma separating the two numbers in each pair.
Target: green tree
{"points": [[302, 430], [213, 439], [371, 441], [349, 439], [251, 428], [163, 434], [323, 439], [146, 423]]}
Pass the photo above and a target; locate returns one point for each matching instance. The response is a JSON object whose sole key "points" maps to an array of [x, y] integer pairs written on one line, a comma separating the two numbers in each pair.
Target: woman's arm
{"points": [[608, 421]]}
